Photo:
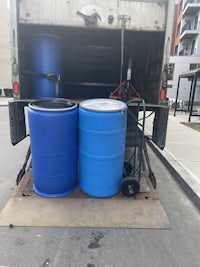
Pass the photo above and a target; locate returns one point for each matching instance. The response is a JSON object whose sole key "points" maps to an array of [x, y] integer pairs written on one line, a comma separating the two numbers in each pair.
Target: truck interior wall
{"points": [[91, 60]]}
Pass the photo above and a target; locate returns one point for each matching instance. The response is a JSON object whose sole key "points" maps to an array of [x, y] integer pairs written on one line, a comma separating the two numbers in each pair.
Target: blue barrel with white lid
{"points": [[53, 125], [102, 134]]}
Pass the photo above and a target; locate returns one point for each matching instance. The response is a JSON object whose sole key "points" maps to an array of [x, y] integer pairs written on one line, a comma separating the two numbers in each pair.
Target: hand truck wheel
{"points": [[129, 186]]}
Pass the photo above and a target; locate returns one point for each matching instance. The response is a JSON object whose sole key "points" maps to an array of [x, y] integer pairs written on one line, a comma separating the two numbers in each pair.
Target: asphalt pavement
{"points": [[105, 247]]}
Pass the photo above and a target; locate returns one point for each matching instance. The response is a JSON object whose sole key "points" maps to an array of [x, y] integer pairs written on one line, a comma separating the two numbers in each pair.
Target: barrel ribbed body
{"points": [[54, 145], [46, 59], [102, 129]]}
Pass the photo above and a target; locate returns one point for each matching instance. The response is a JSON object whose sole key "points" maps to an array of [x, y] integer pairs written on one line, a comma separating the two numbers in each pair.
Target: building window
{"points": [[193, 47], [178, 31], [181, 6], [171, 71], [176, 51], [196, 19], [194, 66]]}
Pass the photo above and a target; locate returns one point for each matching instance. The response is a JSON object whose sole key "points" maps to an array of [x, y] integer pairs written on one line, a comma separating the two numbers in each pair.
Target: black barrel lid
{"points": [[54, 104]]}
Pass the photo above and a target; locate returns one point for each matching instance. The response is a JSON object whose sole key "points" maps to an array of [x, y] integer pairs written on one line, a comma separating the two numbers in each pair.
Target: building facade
{"points": [[185, 50]]}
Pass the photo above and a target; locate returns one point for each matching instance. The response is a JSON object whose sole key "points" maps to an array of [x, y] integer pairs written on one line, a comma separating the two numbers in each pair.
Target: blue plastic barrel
{"points": [[46, 59], [53, 126], [102, 131]]}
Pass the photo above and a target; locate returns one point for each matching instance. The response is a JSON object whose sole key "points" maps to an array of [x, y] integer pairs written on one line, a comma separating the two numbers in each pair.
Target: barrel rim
{"points": [[122, 108], [35, 104]]}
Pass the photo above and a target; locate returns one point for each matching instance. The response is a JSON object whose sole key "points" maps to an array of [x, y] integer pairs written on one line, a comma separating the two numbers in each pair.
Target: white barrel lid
{"points": [[103, 105]]}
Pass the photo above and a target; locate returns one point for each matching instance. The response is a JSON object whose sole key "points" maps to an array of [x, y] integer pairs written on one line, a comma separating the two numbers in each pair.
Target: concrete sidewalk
{"points": [[182, 150]]}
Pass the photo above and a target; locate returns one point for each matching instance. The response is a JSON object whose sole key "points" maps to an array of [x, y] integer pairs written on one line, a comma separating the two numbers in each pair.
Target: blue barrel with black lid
{"points": [[53, 125]]}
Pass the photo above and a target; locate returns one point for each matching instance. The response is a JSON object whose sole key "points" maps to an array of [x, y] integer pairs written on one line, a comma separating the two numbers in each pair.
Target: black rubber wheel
{"points": [[127, 168], [129, 186]]}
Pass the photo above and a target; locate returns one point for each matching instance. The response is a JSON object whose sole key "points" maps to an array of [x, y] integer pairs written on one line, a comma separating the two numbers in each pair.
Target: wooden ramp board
{"points": [[25, 208]]}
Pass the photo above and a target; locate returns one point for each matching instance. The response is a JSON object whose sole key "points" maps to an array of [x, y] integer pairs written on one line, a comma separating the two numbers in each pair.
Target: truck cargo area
{"points": [[95, 61]]}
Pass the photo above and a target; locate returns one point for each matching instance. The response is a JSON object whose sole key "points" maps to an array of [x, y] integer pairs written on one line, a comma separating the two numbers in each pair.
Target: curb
{"points": [[178, 172]]}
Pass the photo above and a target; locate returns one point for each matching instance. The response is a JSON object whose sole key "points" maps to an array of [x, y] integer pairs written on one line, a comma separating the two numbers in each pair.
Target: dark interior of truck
{"points": [[92, 60]]}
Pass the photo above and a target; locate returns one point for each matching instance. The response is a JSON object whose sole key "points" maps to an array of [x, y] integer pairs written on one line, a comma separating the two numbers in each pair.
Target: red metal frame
{"points": [[125, 91]]}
